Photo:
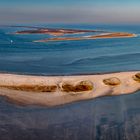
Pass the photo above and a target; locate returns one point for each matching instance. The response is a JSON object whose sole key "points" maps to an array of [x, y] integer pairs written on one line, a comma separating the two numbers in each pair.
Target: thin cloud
{"points": [[75, 14]]}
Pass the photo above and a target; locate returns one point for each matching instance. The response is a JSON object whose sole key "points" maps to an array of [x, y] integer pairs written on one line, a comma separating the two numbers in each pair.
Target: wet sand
{"points": [[58, 90]]}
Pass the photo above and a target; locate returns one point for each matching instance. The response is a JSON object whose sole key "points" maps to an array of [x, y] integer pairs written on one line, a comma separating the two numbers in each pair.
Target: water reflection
{"points": [[115, 118]]}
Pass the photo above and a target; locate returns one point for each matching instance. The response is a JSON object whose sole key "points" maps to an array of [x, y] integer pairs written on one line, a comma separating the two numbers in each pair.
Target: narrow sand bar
{"points": [[58, 90], [100, 36]]}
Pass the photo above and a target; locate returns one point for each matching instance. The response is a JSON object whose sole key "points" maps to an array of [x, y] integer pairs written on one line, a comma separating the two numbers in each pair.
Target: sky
{"points": [[70, 11]]}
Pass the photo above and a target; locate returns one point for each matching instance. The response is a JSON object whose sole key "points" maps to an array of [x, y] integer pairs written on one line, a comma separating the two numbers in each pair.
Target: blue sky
{"points": [[70, 11]]}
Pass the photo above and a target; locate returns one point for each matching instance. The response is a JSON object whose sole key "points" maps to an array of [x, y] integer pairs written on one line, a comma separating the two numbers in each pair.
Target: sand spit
{"points": [[58, 90], [100, 36]]}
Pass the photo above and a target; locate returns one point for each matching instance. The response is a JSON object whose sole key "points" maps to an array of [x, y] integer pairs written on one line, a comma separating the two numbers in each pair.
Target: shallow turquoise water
{"points": [[115, 118]]}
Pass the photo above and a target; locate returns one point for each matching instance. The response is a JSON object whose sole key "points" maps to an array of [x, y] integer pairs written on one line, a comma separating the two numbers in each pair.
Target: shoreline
{"points": [[71, 74], [57, 90]]}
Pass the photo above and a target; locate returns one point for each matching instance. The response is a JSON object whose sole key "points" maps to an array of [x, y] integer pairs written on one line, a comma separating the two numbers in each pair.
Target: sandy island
{"points": [[55, 32], [58, 90], [61, 32], [100, 36]]}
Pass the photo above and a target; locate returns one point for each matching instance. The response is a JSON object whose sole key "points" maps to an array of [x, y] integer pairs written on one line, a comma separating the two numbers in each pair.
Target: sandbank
{"points": [[100, 36], [57, 90]]}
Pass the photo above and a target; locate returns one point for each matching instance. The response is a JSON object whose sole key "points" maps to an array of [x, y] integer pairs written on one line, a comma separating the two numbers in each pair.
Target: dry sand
{"points": [[12, 86]]}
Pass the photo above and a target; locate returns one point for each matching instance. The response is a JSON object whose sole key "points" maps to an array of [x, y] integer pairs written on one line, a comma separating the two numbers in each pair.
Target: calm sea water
{"points": [[115, 118], [69, 57]]}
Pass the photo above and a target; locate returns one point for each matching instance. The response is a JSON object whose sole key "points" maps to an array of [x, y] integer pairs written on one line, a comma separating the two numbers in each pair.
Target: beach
{"points": [[21, 89]]}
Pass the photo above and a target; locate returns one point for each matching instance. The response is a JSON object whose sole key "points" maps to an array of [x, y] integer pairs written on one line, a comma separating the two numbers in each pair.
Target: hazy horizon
{"points": [[64, 11]]}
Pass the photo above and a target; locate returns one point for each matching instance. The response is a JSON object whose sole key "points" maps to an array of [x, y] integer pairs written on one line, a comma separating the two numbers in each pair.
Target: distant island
{"points": [[55, 32], [100, 36], [60, 33]]}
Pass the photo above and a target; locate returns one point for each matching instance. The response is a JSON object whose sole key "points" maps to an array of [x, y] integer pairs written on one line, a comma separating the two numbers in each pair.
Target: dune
{"points": [[58, 90]]}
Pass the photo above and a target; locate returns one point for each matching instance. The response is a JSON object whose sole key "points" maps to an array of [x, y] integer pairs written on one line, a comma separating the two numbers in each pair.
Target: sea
{"points": [[106, 118]]}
